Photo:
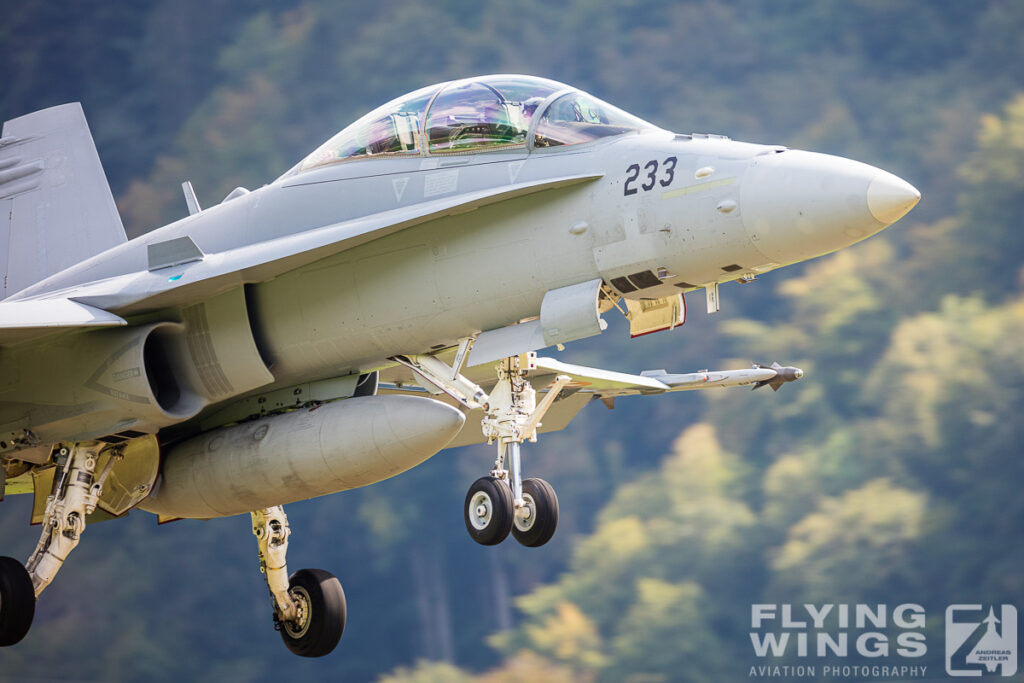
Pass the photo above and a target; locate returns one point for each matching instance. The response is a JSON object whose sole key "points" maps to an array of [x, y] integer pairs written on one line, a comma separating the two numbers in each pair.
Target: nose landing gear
{"points": [[504, 501]]}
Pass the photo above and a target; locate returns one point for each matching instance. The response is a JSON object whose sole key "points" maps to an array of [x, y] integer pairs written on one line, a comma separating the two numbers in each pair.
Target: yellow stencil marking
{"points": [[700, 187]]}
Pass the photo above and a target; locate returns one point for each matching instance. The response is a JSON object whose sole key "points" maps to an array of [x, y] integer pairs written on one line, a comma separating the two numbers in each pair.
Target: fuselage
{"points": [[660, 214], [432, 284]]}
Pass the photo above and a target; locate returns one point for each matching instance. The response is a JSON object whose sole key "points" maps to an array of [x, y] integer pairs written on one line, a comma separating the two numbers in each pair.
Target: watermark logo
{"points": [[838, 641], [878, 641], [981, 639]]}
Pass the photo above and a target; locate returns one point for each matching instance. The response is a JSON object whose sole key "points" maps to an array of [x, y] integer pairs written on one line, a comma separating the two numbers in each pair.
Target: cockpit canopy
{"points": [[482, 114]]}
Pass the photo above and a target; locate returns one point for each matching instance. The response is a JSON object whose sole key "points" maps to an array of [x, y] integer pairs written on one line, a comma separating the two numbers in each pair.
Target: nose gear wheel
{"points": [[504, 502], [536, 527], [512, 415], [488, 510]]}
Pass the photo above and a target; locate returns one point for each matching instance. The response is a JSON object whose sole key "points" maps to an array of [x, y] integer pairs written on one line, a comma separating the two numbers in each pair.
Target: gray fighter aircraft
{"points": [[379, 302]]}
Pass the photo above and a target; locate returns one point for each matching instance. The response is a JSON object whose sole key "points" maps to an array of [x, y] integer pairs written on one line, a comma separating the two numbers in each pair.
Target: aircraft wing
{"points": [[25, 320], [608, 384], [203, 275], [586, 384]]}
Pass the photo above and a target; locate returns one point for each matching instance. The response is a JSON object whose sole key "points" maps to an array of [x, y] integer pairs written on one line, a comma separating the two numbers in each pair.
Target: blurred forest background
{"points": [[892, 473]]}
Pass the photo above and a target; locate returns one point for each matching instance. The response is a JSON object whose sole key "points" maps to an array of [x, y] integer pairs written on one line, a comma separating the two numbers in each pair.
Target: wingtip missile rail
{"points": [[758, 375]]}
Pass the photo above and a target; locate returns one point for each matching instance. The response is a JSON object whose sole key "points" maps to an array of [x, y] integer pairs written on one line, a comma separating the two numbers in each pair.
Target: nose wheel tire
{"points": [[17, 601], [538, 525], [322, 612], [488, 510]]}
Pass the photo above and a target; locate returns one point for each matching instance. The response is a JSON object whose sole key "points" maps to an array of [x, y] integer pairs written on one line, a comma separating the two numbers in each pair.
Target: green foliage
{"points": [[850, 546], [995, 197], [523, 666], [662, 545], [427, 672]]}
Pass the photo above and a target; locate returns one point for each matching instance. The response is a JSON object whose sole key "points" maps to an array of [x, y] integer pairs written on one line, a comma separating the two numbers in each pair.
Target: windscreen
{"points": [[577, 117], [473, 115]]}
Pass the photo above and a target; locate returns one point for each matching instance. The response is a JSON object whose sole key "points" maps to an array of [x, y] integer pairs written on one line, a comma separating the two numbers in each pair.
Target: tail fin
{"points": [[56, 208]]}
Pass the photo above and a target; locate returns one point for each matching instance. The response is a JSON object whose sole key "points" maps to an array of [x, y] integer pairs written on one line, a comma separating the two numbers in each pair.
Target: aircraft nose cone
{"points": [[891, 197], [796, 205]]}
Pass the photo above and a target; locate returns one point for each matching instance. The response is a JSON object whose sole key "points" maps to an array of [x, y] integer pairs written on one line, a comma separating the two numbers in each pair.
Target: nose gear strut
{"points": [[502, 502], [513, 416]]}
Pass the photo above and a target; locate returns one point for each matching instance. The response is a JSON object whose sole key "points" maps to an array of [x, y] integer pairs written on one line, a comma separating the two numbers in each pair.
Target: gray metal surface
{"points": [[55, 205]]}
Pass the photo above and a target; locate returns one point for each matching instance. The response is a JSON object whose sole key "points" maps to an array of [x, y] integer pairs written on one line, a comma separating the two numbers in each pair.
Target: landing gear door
{"points": [[653, 315], [566, 314], [129, 481], [131, 478]]}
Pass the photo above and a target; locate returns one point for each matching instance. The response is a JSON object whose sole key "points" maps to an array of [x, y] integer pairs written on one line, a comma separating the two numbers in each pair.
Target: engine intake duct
{"points": [[110, 381], [137, 378], [131, 371]]}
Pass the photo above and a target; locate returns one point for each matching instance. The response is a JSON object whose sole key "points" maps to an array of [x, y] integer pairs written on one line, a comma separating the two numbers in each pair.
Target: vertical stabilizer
{"points": [[56, 208]]}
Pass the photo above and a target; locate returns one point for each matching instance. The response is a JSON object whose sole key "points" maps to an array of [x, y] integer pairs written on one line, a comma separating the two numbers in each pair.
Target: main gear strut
{"points": [[270, 525], [74, 495], [309, 606]]}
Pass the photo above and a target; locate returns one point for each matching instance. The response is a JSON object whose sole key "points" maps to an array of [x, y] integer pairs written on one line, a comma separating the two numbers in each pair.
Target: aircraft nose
{"points": [[891, 197], [796, 205]]}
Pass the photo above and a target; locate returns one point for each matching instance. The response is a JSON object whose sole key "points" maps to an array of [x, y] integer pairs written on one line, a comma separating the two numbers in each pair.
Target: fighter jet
{"points": [[382, 300]]}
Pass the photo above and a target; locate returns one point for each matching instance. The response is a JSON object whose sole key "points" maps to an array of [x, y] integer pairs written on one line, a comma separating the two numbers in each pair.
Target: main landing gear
{"points": [[73, 497], [504, 501], [17, 601], [309, 606]]}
